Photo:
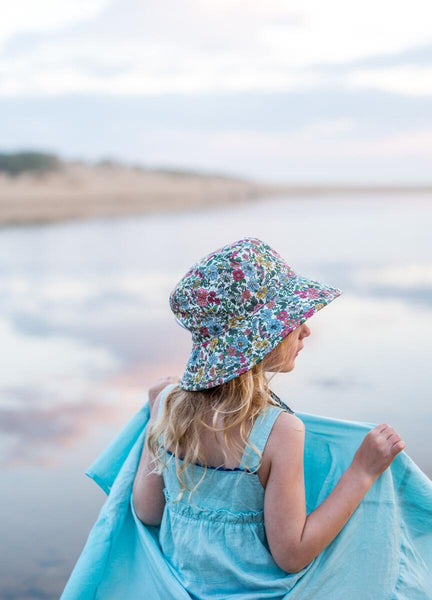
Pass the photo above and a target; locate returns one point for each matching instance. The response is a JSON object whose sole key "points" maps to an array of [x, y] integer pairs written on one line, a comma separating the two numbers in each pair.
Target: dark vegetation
{"points": [[14, 164]]}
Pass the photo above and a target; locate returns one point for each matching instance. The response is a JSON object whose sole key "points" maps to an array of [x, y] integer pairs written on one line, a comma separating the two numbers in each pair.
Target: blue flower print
{"points": [[253, 285], [272, 293], [294, 303], [211, 272], [213, 359], [215, 328], [274, 326], [284, 279], [240, 343], [248, 269], [255, 323], [230, 360], [184, 302], [194, 356], [266, 314]]}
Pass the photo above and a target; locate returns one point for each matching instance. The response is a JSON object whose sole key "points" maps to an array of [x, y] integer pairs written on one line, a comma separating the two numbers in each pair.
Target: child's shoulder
{"points": [[286, 435], [286, 421]]}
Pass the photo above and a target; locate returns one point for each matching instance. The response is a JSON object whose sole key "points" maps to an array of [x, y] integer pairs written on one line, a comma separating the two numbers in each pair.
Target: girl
{"points": [[224, 437]]}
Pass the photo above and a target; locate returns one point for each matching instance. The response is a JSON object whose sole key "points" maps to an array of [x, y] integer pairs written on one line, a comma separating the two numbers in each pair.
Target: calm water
{"points": [[85, 328]]}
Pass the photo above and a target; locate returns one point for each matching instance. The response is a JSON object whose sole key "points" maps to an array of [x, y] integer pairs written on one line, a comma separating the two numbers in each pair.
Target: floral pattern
{"points": [[239, 302]]}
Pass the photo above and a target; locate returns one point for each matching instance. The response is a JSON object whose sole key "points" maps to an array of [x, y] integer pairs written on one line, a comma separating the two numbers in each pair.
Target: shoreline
{"points": [[87, 192]]}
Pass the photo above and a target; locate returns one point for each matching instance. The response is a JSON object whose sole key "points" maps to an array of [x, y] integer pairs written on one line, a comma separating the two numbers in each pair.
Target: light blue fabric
{"points": [[384, 552]]}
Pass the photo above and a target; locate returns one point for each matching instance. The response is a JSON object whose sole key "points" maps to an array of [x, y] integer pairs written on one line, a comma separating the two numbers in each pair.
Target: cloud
{"points": [[410, 80], [406, 276], [36, 432], [298, 92], [25, 17], [139, 48], [308, 137], [38, 422], [27, 360]]}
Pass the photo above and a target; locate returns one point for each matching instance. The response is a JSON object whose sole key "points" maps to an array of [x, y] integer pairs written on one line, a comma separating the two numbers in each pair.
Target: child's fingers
{"points": [[398, 446]]}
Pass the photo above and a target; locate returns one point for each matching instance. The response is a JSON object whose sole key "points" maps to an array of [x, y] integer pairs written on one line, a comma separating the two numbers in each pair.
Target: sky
{"points": [[296, 92]]}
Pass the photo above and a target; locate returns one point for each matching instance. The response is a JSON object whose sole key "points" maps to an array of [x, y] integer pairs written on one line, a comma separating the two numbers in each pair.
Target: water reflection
{"points": [[86, 328]]}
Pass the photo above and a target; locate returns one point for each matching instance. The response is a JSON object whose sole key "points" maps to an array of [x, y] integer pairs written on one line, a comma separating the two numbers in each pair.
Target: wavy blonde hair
{"points": [[185, 414]]}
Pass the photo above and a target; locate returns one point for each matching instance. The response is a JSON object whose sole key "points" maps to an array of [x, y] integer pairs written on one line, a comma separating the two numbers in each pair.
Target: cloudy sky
{"points": [[304, 91]]}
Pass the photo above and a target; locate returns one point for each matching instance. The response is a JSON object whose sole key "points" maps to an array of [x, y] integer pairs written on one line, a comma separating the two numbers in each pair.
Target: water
{"points": [[85, 328]]}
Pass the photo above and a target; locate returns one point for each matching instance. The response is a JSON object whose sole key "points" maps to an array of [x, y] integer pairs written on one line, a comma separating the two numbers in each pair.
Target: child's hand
{"points": [[378, 450], [161, 383]]}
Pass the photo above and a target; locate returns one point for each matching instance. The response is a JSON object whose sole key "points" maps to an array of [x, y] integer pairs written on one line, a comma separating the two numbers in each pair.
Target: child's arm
{"points": [[295, 538], [147, 491]]}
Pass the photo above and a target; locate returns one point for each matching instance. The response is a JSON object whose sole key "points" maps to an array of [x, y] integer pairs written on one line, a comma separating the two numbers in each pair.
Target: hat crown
{"points": [[212, 296], [239, 302]]}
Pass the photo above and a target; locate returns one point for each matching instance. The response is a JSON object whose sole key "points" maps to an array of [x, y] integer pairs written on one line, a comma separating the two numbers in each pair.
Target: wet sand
{"points": [[81, 191]]}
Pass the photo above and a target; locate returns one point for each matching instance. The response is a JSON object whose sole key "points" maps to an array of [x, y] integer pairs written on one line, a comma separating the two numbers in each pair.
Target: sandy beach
{"points": [[81, 191]]}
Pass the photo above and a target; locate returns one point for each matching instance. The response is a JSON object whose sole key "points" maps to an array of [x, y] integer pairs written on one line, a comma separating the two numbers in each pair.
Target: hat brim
{"points": [[246, 343]]}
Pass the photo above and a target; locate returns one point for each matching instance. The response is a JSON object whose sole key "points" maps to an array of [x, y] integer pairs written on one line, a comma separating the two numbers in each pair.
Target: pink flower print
{"points": [[204, 331], [270, 304], [238, 274], [248, 331], [282, 315], [243, 358], [234, 262], [212, 298], [201, 296], [301, 293], [231, 351], [309, 313], [313, 293], [257, 307], [293, 323], [246, 295]]}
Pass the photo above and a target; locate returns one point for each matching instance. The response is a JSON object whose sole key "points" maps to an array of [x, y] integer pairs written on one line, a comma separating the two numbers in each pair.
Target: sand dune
{"points": [[87, 191]]}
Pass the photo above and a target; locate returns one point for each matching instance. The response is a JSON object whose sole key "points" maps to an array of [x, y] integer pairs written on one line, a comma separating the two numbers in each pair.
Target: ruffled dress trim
{"points": [[221, 514]]}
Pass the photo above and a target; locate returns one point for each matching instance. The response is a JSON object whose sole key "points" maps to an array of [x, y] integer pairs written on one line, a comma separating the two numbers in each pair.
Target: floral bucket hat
{"points": [[239, 302]]}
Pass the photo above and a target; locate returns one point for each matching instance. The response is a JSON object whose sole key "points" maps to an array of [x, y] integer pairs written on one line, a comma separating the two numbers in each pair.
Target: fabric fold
{"points": [[384, 552]]}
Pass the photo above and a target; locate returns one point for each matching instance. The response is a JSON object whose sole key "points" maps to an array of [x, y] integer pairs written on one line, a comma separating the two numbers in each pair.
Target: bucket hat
{"points": [[239, 302]]}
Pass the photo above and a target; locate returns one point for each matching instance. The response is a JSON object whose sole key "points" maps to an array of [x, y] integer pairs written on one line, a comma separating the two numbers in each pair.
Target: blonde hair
{"points": [[185, 414]]}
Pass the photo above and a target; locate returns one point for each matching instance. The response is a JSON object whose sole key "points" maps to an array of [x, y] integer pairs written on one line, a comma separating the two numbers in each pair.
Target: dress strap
{"points": [[281, 403], [259, 435]]}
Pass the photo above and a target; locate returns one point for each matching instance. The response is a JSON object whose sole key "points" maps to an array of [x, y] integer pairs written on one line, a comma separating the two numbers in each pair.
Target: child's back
{"points": [[216, 543]]}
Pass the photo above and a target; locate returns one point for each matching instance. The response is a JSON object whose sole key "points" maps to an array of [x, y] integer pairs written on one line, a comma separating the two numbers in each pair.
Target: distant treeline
{"points": [[170, 171], [15, 163], [20, 162]]}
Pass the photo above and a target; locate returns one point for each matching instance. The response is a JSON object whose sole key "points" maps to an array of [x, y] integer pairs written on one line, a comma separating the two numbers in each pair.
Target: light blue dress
{"points": [[384, 552], [216, 543]]}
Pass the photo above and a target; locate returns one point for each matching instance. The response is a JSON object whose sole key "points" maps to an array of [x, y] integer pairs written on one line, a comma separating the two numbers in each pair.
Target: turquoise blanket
{"points": [[384, 552]]}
